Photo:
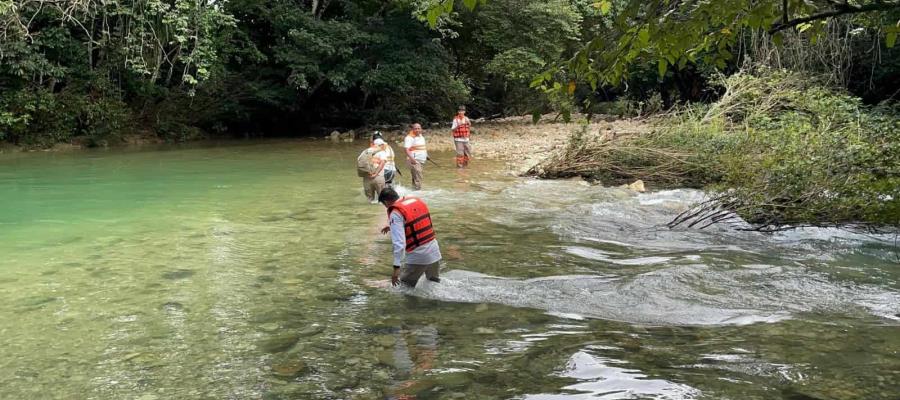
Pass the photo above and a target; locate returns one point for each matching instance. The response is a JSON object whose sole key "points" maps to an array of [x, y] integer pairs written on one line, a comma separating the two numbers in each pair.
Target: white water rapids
{"points": [[631, 268]]}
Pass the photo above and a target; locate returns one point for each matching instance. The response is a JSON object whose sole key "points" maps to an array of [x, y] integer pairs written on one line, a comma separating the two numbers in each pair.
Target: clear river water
{"points": [[256, 271]]}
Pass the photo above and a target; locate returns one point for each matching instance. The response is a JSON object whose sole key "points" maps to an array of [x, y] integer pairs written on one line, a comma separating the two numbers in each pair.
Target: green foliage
{"points": [[40, 118], [503, 44], [822, 157], [670, 35], [779, 147], [185, 69]]}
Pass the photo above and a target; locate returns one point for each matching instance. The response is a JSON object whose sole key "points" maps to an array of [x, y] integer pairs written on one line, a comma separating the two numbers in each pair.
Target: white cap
{"points": [[378, 142]]}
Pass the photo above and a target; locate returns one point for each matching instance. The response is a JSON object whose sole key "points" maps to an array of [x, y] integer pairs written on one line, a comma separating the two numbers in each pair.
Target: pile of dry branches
{"points": [[619, 158]]}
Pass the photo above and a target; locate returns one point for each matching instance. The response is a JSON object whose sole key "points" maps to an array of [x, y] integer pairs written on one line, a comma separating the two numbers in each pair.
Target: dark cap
{"points": [[461, 108]]}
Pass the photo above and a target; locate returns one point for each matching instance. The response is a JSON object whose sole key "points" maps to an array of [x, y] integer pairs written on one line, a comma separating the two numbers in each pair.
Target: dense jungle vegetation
{"points": [[91, 70]]}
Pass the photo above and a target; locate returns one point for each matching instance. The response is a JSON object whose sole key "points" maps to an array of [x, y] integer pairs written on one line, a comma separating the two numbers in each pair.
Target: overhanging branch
{"points": [[841, 9]]}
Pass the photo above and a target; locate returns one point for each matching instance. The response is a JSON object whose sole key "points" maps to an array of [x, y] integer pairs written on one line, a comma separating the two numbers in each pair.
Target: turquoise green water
{"points": [[246, 271]]}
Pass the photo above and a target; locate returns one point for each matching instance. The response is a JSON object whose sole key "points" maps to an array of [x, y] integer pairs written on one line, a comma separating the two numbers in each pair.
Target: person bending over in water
{"points": [[412, 235]]}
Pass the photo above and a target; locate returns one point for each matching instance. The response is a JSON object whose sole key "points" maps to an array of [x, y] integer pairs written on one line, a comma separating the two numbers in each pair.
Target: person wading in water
{"points": [[416, 154], [385, 159], [413, 236], [461, 129], [372, 174]]}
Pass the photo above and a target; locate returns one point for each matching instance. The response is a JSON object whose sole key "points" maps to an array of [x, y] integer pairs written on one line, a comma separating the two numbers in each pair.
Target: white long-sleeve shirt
{"points": [[425, 254]]}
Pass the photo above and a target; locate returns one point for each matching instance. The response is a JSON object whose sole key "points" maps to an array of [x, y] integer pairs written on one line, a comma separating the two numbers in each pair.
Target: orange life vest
{"points": [[417, 221], [462, 127]]}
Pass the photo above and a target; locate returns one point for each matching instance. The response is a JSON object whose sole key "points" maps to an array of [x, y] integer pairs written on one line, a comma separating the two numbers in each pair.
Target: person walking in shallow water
{"points": [[385, 159], [461, 129], [416, 154], [365, 166], [412, 236]]}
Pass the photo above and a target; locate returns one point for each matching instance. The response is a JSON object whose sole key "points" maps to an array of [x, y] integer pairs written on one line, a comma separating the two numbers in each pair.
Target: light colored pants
{"points": [[410, 273], [463, 153], [373, 186], [417, 172]]}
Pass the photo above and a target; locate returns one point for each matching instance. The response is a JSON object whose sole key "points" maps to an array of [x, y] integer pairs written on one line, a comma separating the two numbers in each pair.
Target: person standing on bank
{"points": [[461, 129], [412, 235], [416, 154]]}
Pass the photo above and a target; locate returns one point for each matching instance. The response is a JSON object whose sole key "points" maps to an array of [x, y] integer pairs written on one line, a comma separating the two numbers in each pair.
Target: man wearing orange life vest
{"points": [[413, 236], [416, 154], [461, 128]]}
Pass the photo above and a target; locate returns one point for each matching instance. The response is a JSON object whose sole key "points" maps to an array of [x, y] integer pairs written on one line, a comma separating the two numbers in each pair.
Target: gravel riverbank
{"points": [[519, 141]]}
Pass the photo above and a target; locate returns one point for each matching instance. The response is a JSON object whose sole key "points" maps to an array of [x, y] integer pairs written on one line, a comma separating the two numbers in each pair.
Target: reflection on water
{"points": [[257, 271], [608, 379]]}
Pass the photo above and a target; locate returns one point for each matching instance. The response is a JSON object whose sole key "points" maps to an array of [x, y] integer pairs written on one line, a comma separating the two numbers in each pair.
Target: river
{"points": [[253, 271]]}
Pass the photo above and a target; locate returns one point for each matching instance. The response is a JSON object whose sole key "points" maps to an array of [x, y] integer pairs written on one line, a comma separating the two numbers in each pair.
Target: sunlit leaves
{"points": [[890, 32], [435, 9], [604, 6]]}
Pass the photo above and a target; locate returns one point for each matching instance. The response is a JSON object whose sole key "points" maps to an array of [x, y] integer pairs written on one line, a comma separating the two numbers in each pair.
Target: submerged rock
{"points": [[386, 357], [178, 274], [385, 340], [289, 368], [311, 330], [172, 306], [454, 379], [278, 343]]}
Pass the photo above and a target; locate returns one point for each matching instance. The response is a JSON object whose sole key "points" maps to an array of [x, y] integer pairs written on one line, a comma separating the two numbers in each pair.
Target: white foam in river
{"points": [[649, 274], [669, 296]]}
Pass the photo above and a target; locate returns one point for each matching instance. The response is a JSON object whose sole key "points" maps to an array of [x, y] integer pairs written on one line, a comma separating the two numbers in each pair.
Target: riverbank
{"points": [[518, 141], [521, 143]]}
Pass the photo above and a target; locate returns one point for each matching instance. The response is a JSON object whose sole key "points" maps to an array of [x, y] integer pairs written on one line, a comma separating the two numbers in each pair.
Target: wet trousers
{"points": [[416, 170], [463, 153], [410, 273], [372, 187]]}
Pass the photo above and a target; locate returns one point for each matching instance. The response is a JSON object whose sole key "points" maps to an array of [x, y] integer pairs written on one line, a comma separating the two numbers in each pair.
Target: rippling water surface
{"points": [[256, 271]]}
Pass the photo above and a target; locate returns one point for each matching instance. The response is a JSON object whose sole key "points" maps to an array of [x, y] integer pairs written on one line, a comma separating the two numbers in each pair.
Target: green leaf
{"points": [[535, 116], [644, 37], [661, 66], [470, 4], [778, 39], [891, 39], [433, 13], [604, 6]]}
